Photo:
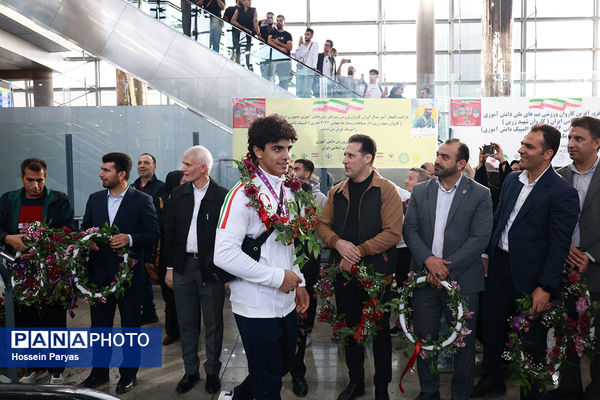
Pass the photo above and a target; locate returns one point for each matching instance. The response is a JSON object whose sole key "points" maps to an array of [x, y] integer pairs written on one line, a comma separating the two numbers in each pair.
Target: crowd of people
{"points": [[500, 234], [317, 73]]}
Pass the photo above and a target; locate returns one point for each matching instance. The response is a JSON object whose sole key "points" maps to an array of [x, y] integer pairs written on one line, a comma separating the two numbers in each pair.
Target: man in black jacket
{"points": [[361, 222], [190, 224], [133, 213], [35, 202]]}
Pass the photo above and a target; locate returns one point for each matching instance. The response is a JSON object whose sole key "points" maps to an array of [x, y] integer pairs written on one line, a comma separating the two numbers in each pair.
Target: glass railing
{"points": [[248, 50]]}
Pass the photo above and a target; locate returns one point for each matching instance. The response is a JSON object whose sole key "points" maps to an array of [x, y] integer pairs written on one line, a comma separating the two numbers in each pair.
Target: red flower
{"points": [[293, 183], [66, 230], [251, 191], [574, 277], [250, 166]]}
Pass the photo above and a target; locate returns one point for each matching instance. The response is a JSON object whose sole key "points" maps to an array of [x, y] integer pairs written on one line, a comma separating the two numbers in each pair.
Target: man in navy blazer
{"points": [[132, 211], [533, 225]]}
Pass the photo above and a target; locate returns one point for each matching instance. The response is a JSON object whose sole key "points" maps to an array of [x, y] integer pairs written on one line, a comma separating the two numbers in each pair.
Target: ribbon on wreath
{"points": [[74, 297], [410, 364], [264, 216], [364, 317]]}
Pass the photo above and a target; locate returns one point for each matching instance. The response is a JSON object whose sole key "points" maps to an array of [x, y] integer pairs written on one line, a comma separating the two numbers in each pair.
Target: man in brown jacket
{"points": [[362, 220]]}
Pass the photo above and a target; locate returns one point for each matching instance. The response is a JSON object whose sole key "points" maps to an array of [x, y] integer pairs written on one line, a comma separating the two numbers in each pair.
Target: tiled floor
{"points": [[327, 374]]}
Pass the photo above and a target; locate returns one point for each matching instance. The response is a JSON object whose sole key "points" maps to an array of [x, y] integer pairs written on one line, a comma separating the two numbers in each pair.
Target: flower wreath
{"points": [[78, 266], [57, 272], [303, 208], [373, 308], [568, 334], [427, 347], [41, 280]]}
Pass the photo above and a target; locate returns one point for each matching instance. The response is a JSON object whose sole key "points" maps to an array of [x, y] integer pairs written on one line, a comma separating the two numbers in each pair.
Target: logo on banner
{"points": [[554, 104], [80, 347]]}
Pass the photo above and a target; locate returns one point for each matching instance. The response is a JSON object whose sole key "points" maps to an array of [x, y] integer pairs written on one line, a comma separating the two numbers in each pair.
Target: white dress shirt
{"points": [[113, 207], [307, 54], [525, 191], [581, 183], [442, 208], [191, 245]]}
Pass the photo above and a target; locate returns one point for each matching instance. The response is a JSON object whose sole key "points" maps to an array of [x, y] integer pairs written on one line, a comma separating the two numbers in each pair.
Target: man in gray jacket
{"points": [[584, 253], [447, 227]]}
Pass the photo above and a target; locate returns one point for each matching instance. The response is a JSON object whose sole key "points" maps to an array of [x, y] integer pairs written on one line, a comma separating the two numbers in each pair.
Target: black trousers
{"points": [[171, 324], [306, 323], [403, 265], [269, 344], [103, 316], [498, 304], [350, 297], [50, 316]]}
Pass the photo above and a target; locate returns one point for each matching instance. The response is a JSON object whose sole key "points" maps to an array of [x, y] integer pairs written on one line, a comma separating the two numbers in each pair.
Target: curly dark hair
{"points": [[269, 129]]}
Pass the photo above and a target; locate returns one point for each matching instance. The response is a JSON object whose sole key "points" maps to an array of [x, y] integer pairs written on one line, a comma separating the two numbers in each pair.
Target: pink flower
{"points": [[574, 277], [581, 305], [470, 314], [465, 331], [455, 286], [251, 191]]}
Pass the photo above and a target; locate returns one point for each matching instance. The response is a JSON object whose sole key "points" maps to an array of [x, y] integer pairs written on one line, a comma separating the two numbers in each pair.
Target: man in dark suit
{"points": [[448, 225], [584, 253], [190, 225], [133, 213], [533, 225]]}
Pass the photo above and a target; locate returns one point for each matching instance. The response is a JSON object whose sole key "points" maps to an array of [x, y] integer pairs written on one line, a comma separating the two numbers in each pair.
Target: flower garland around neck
{"points": [[299, 223]]}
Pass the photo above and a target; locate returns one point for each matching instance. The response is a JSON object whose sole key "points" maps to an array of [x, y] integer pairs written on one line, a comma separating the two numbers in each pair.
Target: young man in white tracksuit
{"points": [[266, 293]]}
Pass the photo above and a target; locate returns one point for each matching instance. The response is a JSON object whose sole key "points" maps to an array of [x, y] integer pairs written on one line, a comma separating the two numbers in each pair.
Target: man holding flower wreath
{"points": [[133, 213], [448, 225], [362, 220], [35, 202]]}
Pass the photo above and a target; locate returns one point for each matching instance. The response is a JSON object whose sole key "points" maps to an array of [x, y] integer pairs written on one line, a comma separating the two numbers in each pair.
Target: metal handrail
{"points": [[9, 303]]}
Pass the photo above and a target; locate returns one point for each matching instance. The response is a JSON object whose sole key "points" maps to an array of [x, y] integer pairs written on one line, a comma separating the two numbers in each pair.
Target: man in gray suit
{"points": [[447, 227], [584, 253]]}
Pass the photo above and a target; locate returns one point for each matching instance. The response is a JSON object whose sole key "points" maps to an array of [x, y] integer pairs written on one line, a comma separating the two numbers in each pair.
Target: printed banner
{"points": [[246, 110], [506, 120], [465, 112], [80, 347], [405, 133]]}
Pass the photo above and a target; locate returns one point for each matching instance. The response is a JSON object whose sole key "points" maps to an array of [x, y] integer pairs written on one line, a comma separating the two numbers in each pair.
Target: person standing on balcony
{"points": [[214, 7], [282, 41], [306, 54], [245, 18]]}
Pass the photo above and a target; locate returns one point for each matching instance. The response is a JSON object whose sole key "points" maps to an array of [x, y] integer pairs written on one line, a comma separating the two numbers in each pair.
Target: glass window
{"points": [[560, 65], [347, 37], [399, 9], [516, 35], [467, 67], [441, 67], [108, 98], [466, 90], [19, 99], [468, 8], [400, 68], [442, 9], [559, 89], [558, 8], [108, 75], [560, 34], [400, 37], [516, 8], [442, 36], [516, 66], [348, 10], [467, 36], [294, 11]]}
